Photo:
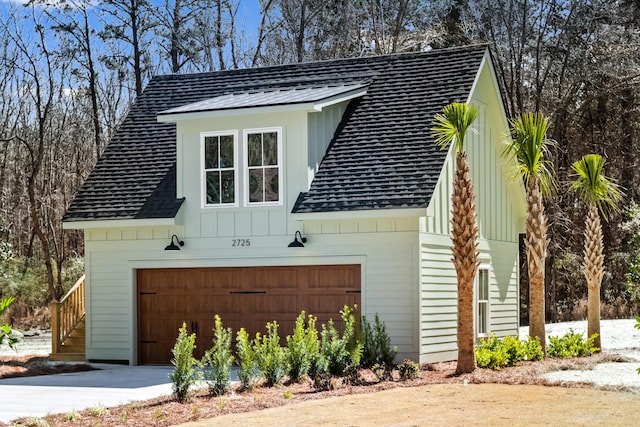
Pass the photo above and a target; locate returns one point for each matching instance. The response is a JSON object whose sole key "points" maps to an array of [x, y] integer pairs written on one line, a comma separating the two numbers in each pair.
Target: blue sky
{"points": [[249, 10]]}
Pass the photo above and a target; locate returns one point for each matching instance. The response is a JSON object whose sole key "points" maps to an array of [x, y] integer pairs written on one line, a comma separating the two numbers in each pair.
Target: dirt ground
{"points": [[451, 404]]}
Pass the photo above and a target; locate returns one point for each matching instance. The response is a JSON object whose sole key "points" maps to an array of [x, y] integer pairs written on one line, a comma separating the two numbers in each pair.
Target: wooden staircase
{"points": [[68, 341]]}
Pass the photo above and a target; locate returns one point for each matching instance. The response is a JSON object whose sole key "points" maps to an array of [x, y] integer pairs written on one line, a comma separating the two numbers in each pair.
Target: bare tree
{"points": [[129, 22]]}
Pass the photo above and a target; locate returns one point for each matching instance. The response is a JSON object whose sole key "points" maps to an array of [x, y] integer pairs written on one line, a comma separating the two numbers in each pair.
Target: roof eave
{"points": [[360, 214], [314, 106], [118, 223]]}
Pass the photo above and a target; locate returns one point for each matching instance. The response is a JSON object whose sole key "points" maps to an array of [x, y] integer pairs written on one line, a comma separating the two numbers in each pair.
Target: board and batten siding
{"points": [[321, 128], [385, 247]]}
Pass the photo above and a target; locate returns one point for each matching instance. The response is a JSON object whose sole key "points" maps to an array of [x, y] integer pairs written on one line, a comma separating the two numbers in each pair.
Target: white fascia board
{"points": [[476, 79], [118, 223], [196, 115], [363, 214]]}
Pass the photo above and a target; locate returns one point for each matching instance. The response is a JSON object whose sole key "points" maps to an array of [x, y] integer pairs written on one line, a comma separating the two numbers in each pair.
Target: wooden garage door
{"points": [[246, 297]]}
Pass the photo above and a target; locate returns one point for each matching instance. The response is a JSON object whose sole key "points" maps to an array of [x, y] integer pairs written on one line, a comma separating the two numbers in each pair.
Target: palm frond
{"points": [[529, 146], [452, 125], [593, 186]]}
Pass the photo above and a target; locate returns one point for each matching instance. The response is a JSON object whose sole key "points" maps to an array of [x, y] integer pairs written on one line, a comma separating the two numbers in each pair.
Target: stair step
{"points": [[68, 357], [72, 349]]}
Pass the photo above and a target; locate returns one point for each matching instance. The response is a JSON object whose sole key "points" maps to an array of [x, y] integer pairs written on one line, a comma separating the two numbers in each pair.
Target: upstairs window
{"points": [[263, 148], [219, 168], [482, 312]]}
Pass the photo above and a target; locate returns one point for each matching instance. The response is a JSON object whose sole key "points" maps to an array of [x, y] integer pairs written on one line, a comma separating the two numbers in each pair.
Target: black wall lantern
{"points": [[298, 241], [172, 246]]}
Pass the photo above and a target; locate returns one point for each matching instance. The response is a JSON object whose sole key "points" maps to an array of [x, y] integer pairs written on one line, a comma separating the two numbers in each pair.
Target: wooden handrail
{"points": [[66, 314]]}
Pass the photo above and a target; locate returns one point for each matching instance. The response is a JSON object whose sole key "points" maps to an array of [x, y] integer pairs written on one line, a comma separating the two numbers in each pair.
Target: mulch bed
{"points": [[29, 366], [165, 411]]}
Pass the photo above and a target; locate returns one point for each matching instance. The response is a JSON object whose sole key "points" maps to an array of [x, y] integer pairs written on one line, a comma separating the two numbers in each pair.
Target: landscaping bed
{"points": [[166, 411]]}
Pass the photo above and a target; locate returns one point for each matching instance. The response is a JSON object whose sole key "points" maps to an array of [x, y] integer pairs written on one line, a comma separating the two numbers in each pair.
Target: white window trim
{"points": [[487, 268], [245, 167], [203, 174]]}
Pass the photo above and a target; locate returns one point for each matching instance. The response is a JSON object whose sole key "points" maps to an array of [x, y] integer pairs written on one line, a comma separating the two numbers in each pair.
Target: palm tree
{"points": [[529, 145], [601, 194], [450, 127]]}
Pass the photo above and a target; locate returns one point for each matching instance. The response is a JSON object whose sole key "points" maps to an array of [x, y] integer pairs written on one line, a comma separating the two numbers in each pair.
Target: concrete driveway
{"points": [[112, 385]]}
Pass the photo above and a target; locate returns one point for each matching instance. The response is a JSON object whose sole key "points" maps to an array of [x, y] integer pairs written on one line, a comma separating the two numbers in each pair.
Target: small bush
{"points": [[496, 353], [376, 344], [382, 371], [408, 369], [217, 361], [340, 352], [301, 347], [271, 357], [184, 374], [6, 331], [248, 368], [571, 344], [334, 349]]}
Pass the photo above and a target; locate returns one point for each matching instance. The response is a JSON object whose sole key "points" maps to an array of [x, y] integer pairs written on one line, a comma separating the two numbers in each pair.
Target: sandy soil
{"points": [[451, 404]]}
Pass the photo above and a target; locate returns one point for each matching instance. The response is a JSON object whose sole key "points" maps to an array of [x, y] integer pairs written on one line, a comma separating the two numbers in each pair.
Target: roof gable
{"points": [[380, 156]]}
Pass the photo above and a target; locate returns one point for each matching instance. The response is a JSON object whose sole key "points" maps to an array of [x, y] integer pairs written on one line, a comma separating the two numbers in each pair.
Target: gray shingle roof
{"points": [[382, 155]]}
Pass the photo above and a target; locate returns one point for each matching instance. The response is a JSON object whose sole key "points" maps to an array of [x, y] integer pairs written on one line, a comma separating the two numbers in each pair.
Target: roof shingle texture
{"points": [[382, 155]]}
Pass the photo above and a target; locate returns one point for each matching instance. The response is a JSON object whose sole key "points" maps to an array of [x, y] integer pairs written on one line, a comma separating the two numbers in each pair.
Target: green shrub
{"points": [[340, 352], [248, 368], [497, 353], [301, 347], [271, 357], [376, 344], [571, 344], [217, 361], [408, 369], [6, 331], [334, 349], [184, 374]]}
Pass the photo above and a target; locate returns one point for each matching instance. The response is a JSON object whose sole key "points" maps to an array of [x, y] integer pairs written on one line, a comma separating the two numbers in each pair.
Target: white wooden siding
{"points": [[389, 276], [438, 299]]}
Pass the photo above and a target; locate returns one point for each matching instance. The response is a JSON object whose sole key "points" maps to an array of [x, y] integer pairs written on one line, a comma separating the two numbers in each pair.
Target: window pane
{"points": [[226, 151], [213, 187], [254, 148], [482, 318], [228, 186], [484, 285], [271, 185], [255, 185], [270, 147], [210, 152]]}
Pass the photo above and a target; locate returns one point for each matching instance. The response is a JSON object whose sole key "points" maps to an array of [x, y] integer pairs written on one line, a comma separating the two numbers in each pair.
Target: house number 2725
{"points": [[241, 242]]}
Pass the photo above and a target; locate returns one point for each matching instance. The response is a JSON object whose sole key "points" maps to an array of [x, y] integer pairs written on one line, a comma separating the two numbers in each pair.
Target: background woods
{"points": [[70, 69]]}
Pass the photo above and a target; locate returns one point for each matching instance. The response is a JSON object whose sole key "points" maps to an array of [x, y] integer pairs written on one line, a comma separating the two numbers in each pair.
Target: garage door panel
{"points": [[341, 277], [246, 297]]}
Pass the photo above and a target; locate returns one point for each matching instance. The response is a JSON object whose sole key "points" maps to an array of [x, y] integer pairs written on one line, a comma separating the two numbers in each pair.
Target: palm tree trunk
{"points": [[464, 235], [536, 243], [593, 271]]}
